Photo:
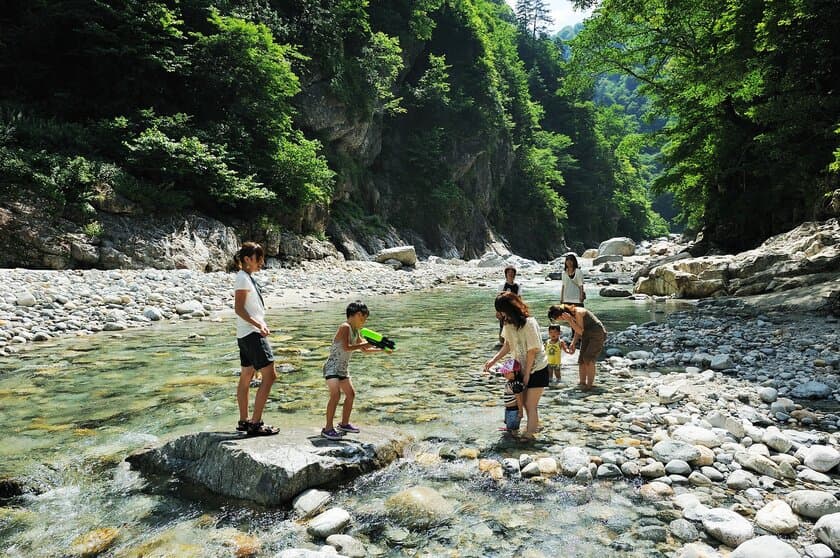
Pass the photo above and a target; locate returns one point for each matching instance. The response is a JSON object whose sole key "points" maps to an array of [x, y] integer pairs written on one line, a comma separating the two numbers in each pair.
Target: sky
{"points": [[562, 13]]}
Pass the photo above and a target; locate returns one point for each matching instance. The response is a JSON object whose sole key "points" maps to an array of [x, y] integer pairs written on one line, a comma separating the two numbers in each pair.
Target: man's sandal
{"points": [[261, 429], [242, 426]]}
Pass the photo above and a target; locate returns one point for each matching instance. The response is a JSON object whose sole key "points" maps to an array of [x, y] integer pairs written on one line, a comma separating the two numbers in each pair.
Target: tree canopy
{"points": [[749, 93]]}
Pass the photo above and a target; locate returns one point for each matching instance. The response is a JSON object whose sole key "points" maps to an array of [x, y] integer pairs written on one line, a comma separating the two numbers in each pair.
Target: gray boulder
{"points": [[419, 507], [330, 522], [403, 254], [827, 530], [619, 246], [667, 450], [811, 390], [822, 458], [270, 470], [615, 292], [813, 503], [727, 526]]}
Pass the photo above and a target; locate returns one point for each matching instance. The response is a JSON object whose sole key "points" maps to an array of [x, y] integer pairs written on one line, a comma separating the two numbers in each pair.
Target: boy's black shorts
{"points": [[255, 350]]}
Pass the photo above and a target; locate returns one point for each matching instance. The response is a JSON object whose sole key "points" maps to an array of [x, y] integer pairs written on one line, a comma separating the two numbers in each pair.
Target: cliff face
{"points": [[369, 154]]}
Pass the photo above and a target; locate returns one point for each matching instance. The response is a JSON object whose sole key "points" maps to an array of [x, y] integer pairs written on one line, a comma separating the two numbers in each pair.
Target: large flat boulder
{"points": [[619, 246], [271, 470], [403, 254]]}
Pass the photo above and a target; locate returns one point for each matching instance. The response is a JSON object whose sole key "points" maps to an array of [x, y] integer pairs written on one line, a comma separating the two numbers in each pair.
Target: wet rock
{"points": [[677, 467], [572, 458], [347, 545], [684, 530], [153, 313], [656, 533], [727, 526], [419, 507], [270, 470], [762, 547], [330, 522], [653, 470], [615, 292], [310, 502], [307, 553], [655, 490], [721, 362], [94, 543], [608, 471]]}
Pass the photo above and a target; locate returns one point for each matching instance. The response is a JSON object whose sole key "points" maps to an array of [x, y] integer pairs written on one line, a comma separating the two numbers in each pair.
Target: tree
{"points": [[749, 97], [533, 16]]}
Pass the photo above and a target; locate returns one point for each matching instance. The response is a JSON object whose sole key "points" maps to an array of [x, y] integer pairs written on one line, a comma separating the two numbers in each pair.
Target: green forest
{"points": [[438, 117]]}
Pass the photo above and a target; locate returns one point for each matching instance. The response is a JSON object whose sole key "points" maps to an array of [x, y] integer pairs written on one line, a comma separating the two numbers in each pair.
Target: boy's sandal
{"points": [[261, 429], [242, 426]]}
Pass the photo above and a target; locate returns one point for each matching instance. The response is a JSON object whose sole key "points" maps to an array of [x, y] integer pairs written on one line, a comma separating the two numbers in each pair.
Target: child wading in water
{"points": [[514, 409], [336, 374], [510, 286], [255, 352], [554, 348]]}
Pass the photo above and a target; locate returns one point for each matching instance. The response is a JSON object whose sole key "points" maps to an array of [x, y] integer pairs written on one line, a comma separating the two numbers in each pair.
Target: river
{"points": [[75, 407]]}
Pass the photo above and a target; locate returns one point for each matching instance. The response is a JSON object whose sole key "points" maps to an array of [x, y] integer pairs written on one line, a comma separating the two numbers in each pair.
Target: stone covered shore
{"points": [[37, 305]]}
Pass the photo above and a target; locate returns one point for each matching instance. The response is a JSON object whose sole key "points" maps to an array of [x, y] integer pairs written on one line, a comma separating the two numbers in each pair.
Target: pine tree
{"points": [[540, 18], [524, 11]]}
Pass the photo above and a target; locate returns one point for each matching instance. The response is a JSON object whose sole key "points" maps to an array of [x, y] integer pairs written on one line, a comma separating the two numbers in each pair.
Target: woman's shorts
{"points": [[539, 378], [254, 350], [512, 418], [591, 346], [336, 377]]}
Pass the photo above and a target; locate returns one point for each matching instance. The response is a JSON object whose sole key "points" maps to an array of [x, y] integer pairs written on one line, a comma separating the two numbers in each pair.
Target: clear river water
{"points": [[73, 408]]}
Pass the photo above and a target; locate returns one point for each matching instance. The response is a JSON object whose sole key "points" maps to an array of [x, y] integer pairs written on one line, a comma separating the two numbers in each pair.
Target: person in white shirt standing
{"points": [[572, 290], [252, 337]]}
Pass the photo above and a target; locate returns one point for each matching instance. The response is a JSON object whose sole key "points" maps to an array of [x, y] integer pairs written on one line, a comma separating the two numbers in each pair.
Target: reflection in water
{"points": [[73, 408]]}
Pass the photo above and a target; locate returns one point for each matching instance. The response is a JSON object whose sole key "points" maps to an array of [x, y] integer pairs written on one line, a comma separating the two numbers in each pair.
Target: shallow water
{"points": [[74, 408]]}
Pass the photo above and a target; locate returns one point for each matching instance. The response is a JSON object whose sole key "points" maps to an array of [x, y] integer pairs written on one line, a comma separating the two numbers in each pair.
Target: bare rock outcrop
{"points": [[805, 257], [271, 470]]}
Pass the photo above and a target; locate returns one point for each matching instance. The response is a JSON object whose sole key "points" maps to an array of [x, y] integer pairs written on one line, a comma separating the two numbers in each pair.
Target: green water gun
{"points": [[377, 339]]}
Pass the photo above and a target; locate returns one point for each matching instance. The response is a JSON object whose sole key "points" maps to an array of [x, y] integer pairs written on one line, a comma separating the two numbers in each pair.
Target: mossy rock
{"points": [[94, 543]]}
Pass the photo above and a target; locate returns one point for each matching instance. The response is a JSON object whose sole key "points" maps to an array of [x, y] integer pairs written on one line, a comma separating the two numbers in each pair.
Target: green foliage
{"points": [[751, 108], [433, 86], [189, 165], [181, 105], [93, 229]]}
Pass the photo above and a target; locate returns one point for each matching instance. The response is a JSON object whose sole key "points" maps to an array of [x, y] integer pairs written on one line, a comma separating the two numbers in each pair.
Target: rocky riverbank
{"points": [[723, 460], [37, 305]]}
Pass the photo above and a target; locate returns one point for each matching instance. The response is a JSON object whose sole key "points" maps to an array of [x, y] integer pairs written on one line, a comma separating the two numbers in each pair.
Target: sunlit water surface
{"points": [[72, 409]]}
